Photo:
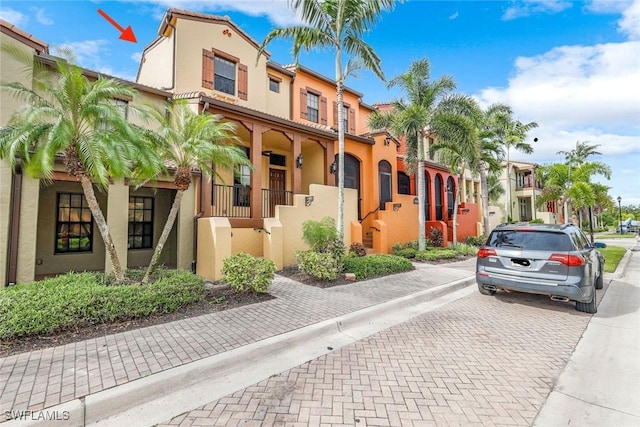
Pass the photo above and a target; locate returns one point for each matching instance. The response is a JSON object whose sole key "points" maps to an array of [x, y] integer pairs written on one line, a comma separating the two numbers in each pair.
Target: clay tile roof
{"points": [[22, 36]]}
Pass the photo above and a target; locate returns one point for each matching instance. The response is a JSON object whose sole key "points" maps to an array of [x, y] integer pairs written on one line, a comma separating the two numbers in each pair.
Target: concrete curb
{"points": [[160, 396], [624, 262]]}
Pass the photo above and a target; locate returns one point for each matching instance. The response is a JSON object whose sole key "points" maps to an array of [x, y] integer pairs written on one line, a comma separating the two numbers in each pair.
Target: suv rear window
{"points": [[531, 240]]}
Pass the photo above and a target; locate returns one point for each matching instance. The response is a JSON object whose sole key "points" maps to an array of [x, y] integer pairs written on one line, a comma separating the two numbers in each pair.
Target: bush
{"points": [[244, 272], [475, 240], [320, 235], [409, 253], [321, 265], [79, 299], [435, 237], [466, 250], [436, 254], [536, 221], [376, 265], [357, 249]]}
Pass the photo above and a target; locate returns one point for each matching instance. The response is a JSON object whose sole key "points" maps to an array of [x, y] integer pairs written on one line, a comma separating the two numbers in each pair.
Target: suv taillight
{"points": [[484, 252], [568, 260]]}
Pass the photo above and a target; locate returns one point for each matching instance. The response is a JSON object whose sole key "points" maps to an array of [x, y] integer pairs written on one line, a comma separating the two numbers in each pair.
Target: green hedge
{"points": [[436, 254], [376, 265], [76, 299]]}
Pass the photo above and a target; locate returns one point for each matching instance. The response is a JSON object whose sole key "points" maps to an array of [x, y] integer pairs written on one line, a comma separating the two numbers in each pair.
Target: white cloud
{"points": [[13, 16], [277, 11], [39, 13], [525, 8], [454, 16], [607, 6], [630, 22], [88, 53], [136, 57]]}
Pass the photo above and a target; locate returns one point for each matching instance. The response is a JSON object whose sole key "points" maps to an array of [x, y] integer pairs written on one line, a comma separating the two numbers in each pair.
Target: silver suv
{"points": [[554, 260]]}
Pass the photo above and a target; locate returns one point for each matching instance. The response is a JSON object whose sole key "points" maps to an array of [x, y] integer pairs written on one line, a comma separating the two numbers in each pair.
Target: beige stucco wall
{"points": [[278, 104], [156, 68], [246, 240], [214, 245], [10, 70], [402, 225], [272, 241], [313, 168], [117, 216], [185, 222], [46, 261], [325, 203], [193, 36]]}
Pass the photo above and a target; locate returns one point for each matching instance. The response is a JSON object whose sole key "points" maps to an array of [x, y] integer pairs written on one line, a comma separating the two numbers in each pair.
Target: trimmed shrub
{"points": [[536, 221], [357, 249], [435, 237], [376, 265], [320, 235], [321, 265], [244, 272], [397, 246], [475, 240], [436, 254], [466, 250], [409, 253], [79, 299]]}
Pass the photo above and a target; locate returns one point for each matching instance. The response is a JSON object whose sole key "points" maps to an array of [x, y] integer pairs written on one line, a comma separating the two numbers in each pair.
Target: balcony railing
{"points": [[271, 198], [234, 201], [231, 201]]}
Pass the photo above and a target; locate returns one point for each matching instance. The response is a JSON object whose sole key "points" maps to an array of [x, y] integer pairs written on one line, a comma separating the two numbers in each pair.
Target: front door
{"points": [[277, 190]]}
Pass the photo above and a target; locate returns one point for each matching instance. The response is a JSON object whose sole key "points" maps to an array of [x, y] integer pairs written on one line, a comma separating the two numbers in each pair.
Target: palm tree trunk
{"points": [[484, 194], [421, 195], [173, 213], [341, 130], [507, 210], [98, 217]]}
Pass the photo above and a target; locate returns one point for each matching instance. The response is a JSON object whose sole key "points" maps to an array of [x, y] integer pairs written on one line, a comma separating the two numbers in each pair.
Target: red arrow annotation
{"points": [[127, 34]]}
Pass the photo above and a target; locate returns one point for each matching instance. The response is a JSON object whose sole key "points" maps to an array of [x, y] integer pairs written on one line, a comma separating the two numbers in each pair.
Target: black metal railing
{"points": [[271, 198], [232, 201]]}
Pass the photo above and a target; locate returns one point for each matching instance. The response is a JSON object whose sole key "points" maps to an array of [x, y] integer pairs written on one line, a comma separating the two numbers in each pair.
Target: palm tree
{"points": [[337, 25], [188, 140], [511, 135], [429, 107], [69, 117], [491, 153]]}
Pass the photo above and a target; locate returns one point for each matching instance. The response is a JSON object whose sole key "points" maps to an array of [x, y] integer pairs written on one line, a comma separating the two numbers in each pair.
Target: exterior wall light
{"points": [[333, 168], [397, 206], [308, 200], [299, 161]]}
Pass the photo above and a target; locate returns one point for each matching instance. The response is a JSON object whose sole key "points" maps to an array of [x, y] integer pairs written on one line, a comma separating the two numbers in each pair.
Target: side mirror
{"points": [[599, 245]]}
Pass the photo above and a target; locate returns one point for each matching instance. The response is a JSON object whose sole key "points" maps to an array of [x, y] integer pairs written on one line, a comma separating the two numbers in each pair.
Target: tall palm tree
{"points": [[458, 142], [491, 152], [66, 116], [511, 135], [429, 107], [339, 26], [187, 140]]}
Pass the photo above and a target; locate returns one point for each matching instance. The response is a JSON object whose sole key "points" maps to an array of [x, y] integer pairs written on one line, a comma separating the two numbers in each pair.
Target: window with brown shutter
{"points": [[323, 110], [352, 121], [303, 103], [243, 81], [207, 69]]}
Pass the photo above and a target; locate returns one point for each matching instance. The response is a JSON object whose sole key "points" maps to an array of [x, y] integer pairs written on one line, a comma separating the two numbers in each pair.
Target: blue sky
{"points": [[571, 66]]}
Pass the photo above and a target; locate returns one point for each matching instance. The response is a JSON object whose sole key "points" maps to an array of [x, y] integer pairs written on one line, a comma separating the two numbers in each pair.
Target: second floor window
{"points": [[224, 78], [274, 85], [242, 183], [313, 104], [345, 117]]}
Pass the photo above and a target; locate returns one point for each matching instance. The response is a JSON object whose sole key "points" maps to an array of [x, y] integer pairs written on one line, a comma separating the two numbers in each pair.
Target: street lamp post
{"points": [[620, 214]]}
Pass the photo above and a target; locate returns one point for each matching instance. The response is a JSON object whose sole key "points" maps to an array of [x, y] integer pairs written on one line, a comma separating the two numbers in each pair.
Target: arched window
{"points": [[427, 205], [384, 181], [404, 183], [451, 189], [439, 198]]}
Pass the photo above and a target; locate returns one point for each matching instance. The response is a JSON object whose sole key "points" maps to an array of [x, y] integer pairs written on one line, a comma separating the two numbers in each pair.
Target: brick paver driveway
{"points": [[477, 361]]}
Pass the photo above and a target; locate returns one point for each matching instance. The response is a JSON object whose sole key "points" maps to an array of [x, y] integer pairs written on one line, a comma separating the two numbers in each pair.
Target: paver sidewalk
{"points": [[44, 378]]}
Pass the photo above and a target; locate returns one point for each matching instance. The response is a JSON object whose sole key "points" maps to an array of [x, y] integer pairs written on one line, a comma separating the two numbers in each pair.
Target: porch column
{"points": [[256, 175], [185, 223], [330, 157], [296, 150], [118, 220]]}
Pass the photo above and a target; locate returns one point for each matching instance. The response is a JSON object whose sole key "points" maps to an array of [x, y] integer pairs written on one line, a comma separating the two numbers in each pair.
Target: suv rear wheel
{"points": [[588, 307], [484, 291]]}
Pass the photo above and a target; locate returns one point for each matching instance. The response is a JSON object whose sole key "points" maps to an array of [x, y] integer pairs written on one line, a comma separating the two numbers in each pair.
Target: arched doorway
{"points": [[351, 175], [427, 205], [451, 190], [384, 182], [438, 194]]}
